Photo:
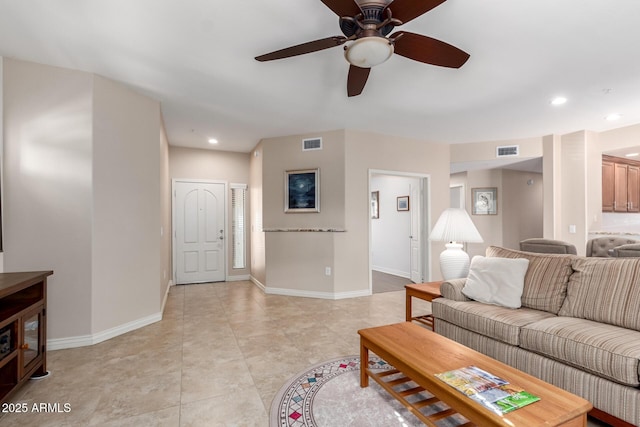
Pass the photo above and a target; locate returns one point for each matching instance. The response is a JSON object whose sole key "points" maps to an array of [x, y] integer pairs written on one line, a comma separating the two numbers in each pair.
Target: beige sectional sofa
{"points": [[578, 327]]}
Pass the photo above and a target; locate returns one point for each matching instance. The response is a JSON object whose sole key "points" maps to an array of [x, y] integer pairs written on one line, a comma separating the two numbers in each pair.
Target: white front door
{"points": [[416, 234], [199, 223]]}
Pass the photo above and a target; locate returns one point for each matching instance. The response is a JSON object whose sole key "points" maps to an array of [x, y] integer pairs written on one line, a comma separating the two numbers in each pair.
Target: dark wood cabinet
{"points": [[608, 185], [620, 188], [633, 188], [620, 185], [23, 326]]}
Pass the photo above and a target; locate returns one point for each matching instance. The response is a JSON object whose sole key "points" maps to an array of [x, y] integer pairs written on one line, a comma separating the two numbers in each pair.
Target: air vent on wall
{"points": [[508, 151], [312, 144]]}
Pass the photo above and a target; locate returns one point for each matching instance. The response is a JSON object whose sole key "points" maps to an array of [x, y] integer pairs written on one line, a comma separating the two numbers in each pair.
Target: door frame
{"points": [[173, 222], [425, 220]]}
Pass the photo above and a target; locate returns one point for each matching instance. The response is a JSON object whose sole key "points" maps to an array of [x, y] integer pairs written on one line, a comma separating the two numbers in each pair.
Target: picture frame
{"points": [[485, 201], [375, 206], [302, 191], [402, 203]]}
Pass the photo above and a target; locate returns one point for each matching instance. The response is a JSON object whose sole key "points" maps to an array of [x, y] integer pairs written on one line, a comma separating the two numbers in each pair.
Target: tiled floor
{"points": [[216, 359], [384, 282]]}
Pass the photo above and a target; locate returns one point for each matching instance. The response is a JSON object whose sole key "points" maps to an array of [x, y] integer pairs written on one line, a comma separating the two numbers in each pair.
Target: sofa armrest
{"points": [[452, 289]]}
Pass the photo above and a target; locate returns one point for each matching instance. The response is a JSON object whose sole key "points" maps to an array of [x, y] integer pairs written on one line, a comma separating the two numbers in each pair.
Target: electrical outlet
{"points": [[327, 271]]}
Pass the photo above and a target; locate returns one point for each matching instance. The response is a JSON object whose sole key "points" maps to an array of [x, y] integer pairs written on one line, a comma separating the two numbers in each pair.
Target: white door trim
{"points": [[173, 221], [425, 203]]}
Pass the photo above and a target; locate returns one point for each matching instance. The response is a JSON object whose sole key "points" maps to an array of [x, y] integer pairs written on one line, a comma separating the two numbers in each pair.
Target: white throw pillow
{"points": [[496, 281]]}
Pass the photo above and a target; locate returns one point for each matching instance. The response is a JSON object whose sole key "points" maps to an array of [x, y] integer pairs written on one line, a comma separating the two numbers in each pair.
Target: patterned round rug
{"points": [[329, 395]]}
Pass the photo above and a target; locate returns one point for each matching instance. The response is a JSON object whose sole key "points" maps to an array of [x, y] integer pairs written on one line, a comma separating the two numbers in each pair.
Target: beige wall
{"points": [[126, 205], [520, 207], [166, 259], [486, 150], [366, 151], [522, 195], [82, 190], [296, 261], [489, 226], [628, 136], [215, 165], [258, 245], [552, 193], [285, 154], [48, 186]]}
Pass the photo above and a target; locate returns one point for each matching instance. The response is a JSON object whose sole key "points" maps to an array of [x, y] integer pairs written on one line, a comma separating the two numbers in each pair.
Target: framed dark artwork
{"points": [[302, 191], [375, 207], [403, 203], [485, 201]]}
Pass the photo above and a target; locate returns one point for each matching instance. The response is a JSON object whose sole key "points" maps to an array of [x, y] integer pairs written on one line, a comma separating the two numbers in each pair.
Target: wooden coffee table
{"points": [[418, 354]]}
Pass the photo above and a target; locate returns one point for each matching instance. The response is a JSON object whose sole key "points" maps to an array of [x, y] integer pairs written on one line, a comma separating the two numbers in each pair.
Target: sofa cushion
{"points": [[497, 322], [545, 284], [497, 281], [605, 290], [605, 350]]}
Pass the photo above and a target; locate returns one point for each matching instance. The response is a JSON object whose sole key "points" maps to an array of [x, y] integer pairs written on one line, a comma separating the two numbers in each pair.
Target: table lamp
{"points": [[454, 226]]}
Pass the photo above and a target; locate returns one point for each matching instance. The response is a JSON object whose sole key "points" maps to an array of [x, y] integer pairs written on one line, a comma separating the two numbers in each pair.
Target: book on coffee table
{"points": [[489, 390]]}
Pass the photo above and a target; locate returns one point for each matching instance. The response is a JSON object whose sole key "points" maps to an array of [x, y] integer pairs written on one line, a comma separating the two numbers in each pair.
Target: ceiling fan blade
{"points": [[343, 7], [406, 10], [430, 51], [356, 80], [303, 48]]}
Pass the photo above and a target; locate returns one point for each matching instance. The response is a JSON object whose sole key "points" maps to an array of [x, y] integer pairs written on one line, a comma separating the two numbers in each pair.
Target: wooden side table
{"points": [[424, 291]]}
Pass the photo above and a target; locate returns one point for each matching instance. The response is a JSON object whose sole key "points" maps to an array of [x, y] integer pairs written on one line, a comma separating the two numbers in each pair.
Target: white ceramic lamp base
{"points": [[454, 262]]}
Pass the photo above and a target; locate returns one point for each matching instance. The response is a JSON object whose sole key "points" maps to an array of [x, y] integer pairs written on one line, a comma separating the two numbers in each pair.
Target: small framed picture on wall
{"points": [[302, 191], [403, 203], [485, 201]]}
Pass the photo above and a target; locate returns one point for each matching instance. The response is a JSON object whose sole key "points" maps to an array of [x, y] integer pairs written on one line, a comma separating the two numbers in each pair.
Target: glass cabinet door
{"points": [[31, 338]]}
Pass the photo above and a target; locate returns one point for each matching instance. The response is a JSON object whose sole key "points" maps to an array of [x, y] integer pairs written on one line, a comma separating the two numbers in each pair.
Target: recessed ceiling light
{"points": [[613, 116], [213, 141], [558, 100], [632, 155]]}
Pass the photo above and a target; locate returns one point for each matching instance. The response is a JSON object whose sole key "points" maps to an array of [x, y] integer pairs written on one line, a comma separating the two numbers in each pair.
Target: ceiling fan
{"points": [[366, 24]]}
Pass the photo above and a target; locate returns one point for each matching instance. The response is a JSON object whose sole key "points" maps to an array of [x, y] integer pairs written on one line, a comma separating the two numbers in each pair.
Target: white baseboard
{"points": [[257, 283], [406, 275], [317, 294], [239, 278], [166, 295], [85, 340]]}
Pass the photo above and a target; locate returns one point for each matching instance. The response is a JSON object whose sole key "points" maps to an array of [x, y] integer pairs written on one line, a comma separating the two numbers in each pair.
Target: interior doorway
{"points": [[398, 230]]}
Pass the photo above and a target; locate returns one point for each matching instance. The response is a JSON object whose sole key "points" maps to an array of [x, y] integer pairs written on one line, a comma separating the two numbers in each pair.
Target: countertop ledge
{"points": [[305, 230]]}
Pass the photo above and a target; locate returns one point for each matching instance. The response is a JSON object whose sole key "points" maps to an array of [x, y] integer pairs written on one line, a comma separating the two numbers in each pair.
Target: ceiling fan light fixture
{"points": [[368, 52]]}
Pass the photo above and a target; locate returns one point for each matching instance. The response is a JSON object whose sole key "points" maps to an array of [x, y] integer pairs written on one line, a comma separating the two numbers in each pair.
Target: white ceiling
{"points": [[196, 58]]}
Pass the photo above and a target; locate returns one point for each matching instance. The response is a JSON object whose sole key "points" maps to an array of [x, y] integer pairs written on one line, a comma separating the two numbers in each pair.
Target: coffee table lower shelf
{"points": [[415, 406]]}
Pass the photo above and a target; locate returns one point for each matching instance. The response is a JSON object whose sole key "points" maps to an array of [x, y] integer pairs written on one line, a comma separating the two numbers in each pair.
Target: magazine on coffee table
{"points": [[493, 392]]}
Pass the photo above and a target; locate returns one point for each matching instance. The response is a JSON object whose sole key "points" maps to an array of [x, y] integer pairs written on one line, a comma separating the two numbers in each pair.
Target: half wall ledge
{"points": [[305, 230]]}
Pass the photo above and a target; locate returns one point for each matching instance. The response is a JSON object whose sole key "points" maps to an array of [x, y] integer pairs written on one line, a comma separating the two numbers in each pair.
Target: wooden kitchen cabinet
{"points": [[608, 185], [620, 185], [633, 188]]}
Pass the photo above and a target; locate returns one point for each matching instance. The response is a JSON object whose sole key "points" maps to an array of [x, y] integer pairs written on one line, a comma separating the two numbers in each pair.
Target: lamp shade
{"points": [[455, 225]]}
